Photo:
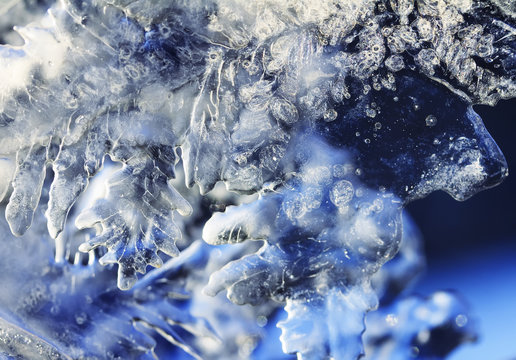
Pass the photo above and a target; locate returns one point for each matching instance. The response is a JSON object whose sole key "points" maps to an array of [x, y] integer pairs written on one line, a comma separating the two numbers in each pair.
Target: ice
{"points": [[431, 326], [69, 310], [332, 115], [339, 321], [27, 183], [135, 228]]}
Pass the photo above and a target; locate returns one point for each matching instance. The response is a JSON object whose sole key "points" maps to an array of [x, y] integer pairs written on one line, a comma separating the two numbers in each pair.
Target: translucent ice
{"points": [[333, 114]]}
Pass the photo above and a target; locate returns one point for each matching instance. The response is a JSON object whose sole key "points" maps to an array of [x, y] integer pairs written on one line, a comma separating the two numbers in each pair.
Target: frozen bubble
{"points": [[340, 170], [213, 56], [294, 209], [378, 205], [461, 320], [133, 71], [261, 320], [431, 120], [395, 63], [164, 30], [330, 115], [342, 193], [425, 29], [371, 112]]}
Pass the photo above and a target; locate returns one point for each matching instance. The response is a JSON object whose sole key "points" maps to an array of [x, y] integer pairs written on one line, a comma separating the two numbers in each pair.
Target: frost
{"points": [[333, 115]]}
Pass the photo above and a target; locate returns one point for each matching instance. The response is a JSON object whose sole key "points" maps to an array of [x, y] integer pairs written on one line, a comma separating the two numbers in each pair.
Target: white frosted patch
{"points": [[41, 48], [45, 46], [17, 67]]}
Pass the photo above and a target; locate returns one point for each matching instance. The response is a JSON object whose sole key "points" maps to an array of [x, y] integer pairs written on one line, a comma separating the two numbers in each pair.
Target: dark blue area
{"points": [[471, 247], [488, 217]]}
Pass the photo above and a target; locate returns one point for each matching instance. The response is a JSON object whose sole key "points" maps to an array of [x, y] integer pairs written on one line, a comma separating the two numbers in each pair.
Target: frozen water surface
{"points": [[260, 149]]}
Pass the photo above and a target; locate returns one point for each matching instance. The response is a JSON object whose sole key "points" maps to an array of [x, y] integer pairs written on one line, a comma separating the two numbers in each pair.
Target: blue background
{"points": [[471, 247]]}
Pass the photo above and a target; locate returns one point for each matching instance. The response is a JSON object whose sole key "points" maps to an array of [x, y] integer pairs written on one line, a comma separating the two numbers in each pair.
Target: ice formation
{"points": [[322, 119]]}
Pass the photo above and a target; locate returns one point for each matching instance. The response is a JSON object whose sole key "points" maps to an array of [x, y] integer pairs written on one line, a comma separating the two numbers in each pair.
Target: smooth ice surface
{"points": [[334, 115]]}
